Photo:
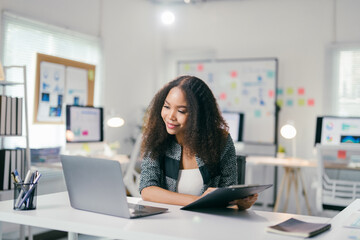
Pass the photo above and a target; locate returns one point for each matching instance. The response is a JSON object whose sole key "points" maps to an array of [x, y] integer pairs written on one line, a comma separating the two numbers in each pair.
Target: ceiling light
{"points": [[167, 17]]}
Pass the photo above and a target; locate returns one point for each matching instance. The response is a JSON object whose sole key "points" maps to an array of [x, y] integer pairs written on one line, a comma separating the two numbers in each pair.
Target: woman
{"points": [[187, 150]]}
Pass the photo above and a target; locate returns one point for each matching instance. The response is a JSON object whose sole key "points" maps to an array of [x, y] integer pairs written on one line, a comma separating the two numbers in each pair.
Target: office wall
{"points": [[140, 54], [296, 32]]}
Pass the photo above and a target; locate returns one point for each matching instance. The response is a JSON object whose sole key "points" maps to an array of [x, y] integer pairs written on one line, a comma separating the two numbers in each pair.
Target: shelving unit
{"points": [[7, 194]]}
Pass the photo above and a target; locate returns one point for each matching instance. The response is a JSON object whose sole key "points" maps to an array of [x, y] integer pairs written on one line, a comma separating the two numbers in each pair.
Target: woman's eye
{"points": [[181, 111], [167, 107]]}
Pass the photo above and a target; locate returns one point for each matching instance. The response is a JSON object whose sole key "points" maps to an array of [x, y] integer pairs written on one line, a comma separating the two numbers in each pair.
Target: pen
{"points": [[32, 186], [23, 190]]}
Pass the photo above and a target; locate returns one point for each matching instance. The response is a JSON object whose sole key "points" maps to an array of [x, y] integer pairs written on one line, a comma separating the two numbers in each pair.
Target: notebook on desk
{"points": [[97, 185]]}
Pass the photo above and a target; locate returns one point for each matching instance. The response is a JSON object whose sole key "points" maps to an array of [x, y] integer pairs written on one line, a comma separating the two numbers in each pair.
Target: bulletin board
{"points": [[61, 82], [242, 85]]}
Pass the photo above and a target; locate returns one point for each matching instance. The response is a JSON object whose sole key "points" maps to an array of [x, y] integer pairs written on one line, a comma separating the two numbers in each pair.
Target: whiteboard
{"points": [[242, 85]]}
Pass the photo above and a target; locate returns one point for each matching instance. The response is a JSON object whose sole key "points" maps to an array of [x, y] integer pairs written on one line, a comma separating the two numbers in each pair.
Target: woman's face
{"points": [[174, 112]]}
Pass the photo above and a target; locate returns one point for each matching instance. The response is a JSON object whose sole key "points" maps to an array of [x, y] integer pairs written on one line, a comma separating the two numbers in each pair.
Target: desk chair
{"points": [[337, 188], [132, 176], [241, 167]]}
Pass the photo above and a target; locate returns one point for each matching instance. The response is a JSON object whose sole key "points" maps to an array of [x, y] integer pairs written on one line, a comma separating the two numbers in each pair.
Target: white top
{"points": [[190, 182]]}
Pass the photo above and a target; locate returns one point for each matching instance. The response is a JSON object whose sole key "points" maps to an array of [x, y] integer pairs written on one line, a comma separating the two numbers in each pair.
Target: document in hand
{"points": [[294, 227], [221, 197]]}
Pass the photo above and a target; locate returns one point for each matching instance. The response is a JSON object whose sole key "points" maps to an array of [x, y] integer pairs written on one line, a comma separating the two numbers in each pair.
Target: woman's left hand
{"points": [[245, 203]]}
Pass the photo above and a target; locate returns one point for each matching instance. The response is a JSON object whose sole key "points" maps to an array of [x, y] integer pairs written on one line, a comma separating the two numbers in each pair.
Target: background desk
{"points": [[54, 212], [292, 175]]}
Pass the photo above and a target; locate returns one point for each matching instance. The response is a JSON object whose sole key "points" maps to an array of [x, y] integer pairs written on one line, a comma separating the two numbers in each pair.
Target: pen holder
{"points": [[25, 196]]}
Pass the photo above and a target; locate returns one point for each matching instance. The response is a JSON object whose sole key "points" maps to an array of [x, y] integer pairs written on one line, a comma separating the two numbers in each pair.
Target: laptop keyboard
{"points": [[137, 209]]}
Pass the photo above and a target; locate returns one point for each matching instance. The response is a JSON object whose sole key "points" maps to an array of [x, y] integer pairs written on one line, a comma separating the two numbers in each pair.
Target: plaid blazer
{"points": [[164, 172]]}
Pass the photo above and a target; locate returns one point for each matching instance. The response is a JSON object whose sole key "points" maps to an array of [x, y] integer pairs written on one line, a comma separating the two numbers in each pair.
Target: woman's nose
{"points": [[172, 115]]}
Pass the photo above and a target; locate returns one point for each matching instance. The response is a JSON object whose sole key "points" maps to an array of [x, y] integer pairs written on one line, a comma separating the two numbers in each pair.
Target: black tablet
{"points": [[221, 197]]}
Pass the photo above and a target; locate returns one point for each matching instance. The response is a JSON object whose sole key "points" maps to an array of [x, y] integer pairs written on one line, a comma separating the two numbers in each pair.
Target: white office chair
{"points": [[132, 177], [337, 190]]}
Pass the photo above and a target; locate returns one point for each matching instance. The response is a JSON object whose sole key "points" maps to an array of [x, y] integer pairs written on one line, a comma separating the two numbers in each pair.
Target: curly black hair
{"points": [[205, 131]]}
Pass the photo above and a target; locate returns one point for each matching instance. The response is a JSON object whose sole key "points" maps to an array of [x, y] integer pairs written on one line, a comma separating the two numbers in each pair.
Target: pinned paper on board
{"points": [[61, 81]]}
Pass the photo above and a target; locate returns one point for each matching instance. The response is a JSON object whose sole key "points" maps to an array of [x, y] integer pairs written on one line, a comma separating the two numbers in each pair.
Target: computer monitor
{"points": [[84, 124], [235, 120], [332, 130]]}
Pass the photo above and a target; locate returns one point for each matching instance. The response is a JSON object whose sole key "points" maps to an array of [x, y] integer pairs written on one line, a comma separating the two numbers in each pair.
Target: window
{"points": [[22, 39], [345, 87]]}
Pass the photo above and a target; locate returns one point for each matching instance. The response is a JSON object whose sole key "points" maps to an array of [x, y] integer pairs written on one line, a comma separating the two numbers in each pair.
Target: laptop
{"points": [[97, 185]]}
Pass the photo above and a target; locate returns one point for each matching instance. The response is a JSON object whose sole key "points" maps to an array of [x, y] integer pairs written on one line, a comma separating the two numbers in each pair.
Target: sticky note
{"points": [[311, 102], [91, 75], [279, 91], [233, 74], [233, 85], [257, 113], [280, 102], [341, 154], [301, 91], [301, 102], [271, 93], [223, 96], [187, 67], [200, 67], [270, 74], [237, 100], [259, 78], [289, 91], [289, 102]]}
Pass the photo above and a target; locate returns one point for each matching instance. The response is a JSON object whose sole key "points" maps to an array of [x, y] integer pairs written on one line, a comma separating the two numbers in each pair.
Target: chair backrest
{"points": [[338, 184], [241, 166]]}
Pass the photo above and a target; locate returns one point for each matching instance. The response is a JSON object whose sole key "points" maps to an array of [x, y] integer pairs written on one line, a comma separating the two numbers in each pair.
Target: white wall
{"points": [[140, 53]]}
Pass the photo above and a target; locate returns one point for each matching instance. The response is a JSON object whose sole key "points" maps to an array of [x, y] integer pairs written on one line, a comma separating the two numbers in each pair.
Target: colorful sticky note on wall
{"points": [[301, 102], [301, 91], [200, 67], [271, 93], [289, 91], [233, 74], [187, 67], [233, 85], [280, 102], [289, 102], [91, 75], [270, 74], [223, 96], [341, 154], [279, 91], [257, 113], [311, 102]]}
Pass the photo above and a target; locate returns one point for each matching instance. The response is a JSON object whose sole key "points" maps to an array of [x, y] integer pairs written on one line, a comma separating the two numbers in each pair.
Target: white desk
{"points": [[54, 212], [338, 231]]}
